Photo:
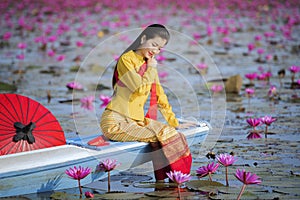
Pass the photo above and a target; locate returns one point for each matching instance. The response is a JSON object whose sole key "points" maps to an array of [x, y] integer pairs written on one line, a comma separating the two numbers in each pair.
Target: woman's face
{"points": [[151, 47]]}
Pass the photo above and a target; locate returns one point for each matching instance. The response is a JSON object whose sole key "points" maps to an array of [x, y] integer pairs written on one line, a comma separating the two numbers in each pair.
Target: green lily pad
{"points": [[246, 195], [63, 195], [204, 186], [169, 194], [154, 185], [7, 87], [101, 87], [293, 191], [34, 67], [122, 195], [74, 68]]}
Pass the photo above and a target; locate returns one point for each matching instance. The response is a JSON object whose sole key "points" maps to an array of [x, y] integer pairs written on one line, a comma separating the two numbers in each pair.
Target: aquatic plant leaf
{"points": [[162, 194], [7, 87], [118, 195], [74, 68], [246, 195], [34, 67], [101, 87], [63, 195], [203, 185], [168, 194], [154, 185], [292, 191]]}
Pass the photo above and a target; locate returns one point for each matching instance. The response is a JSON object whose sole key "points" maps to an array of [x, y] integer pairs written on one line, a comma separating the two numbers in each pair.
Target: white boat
{"points": [[44, 169]]}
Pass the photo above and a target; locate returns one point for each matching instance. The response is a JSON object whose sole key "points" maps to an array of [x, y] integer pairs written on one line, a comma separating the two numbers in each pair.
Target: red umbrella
{"points": [[27, 125]]}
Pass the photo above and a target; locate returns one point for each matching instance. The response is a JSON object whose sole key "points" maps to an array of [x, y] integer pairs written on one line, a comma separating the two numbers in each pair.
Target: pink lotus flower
{"points": [[78, 174], [262, 76], [51, 53], [272, 91], [294, 69], [105, 100], [106, 166], [163, 75], [226, 40], [251, 47], [246, 178], [268, 74], [226, 160], [160, 58], [22, 45], [253, 135], [216, 88], [269, 34], [209, 30], [196, 36], [178, 177], [269, 57], [273, 27], [87, 102], [79, 43], [7, 36], [207, 170], [52, 38], [254, 122], [267, 120], [202, 66], [88, 194], [298, 81], [20, 56], [260, 51], [249, 92], [251, 76], [60, 58], [257, 37], [74, 86]]}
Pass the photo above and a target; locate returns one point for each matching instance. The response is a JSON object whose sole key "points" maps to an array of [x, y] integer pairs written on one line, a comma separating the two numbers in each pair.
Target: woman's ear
{"points": [[143, 39]]}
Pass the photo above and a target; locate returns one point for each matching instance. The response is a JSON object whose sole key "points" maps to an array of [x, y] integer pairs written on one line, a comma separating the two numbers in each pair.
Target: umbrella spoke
{"points": [[48, 138], [6, 128], [45, 133], [47, 123], [8, 136], [35, 112], [21, 110], [5, 116], [5, 145], [41, 117], [12, 105]]}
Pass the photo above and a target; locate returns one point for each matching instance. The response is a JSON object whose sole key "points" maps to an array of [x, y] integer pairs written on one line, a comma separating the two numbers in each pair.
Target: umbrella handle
{"points": [[24, 132]]}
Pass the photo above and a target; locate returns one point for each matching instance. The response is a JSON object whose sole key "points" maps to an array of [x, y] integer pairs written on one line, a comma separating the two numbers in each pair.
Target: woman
{"points": [[124, 119]]}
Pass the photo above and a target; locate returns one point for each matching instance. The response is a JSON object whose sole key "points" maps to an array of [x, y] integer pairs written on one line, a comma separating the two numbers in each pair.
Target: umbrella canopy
{"points": [[27, 125]]}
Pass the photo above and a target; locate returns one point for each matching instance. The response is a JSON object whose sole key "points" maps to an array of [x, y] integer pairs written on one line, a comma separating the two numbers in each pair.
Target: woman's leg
{"points": [[160, 164]]}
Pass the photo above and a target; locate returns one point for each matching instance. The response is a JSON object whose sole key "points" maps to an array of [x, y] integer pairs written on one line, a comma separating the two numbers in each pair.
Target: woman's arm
{"points": [[164, 106]]}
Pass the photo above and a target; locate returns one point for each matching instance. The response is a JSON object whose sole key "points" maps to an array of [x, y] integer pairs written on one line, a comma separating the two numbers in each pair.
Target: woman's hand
{"points": [[152, 62]]}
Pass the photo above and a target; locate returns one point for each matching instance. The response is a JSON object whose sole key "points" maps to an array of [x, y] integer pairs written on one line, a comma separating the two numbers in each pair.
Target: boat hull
{"points": [[44, 169]]}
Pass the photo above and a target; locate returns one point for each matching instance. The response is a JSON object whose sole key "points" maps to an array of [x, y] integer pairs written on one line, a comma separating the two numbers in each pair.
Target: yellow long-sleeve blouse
{"points": [[129, 99]]}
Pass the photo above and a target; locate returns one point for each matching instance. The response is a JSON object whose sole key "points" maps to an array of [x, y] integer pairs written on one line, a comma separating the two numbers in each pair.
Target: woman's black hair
{"points": [[150, 32]]}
